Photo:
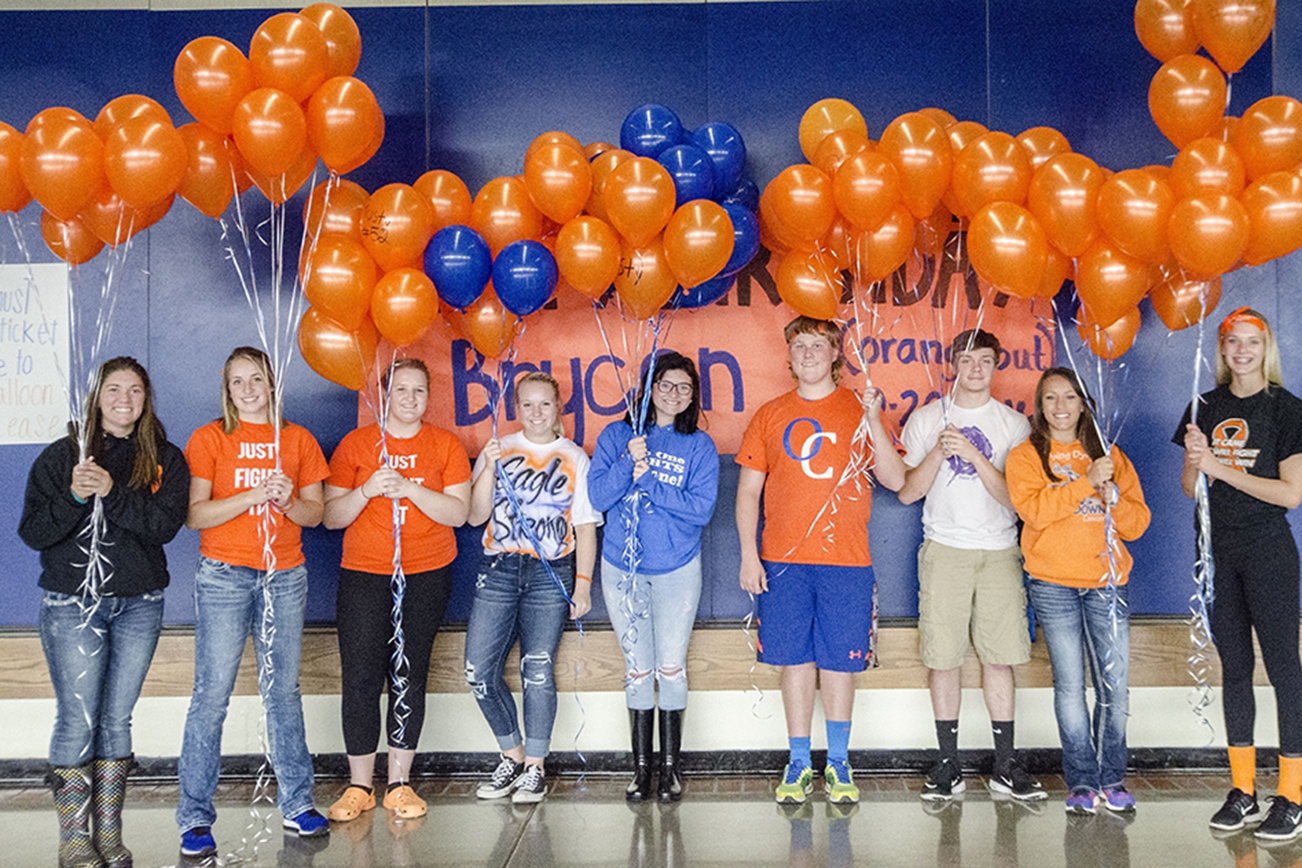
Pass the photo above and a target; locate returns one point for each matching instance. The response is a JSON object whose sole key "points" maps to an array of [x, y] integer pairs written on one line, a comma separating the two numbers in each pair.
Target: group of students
{"points": [[249, 481]]}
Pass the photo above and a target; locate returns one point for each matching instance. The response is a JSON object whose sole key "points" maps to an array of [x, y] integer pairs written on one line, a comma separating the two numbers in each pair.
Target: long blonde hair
{"points": [[546, 379], [231, 415], [1270, 366]]}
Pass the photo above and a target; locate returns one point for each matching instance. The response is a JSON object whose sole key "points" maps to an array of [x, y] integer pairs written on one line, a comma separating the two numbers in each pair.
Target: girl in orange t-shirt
{"points": [[253, 485], [423, 474]]}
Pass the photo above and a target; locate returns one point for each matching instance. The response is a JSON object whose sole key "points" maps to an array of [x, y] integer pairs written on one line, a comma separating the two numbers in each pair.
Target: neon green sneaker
{"points": [[797, 784], [839, 781]]}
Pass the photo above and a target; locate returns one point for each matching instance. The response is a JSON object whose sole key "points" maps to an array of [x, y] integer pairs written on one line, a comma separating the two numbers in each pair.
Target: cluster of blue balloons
{"points": [[460, 263], [706, 163]]}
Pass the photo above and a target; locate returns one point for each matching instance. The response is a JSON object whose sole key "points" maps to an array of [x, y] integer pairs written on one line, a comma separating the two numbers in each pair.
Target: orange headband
{"points": [[1243, 314]]}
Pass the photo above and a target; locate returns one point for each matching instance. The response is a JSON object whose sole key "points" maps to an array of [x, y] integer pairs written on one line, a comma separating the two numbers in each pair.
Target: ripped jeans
{"points": [[516, 599], [652, 615]]}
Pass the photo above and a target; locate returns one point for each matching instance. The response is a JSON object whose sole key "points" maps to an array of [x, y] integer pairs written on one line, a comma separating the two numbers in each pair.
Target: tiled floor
{"points": [[721, 821]]}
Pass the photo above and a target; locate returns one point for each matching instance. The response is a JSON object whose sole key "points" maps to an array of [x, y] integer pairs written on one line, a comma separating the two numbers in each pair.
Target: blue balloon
{"points": [[726, 149], [459, 261], [703, 293], [745, 238], [692, 171], [524, 276], [649, 129], [745, 194]]}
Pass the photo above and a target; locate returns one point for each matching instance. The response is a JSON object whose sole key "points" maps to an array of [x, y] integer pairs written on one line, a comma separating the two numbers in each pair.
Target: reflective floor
{"points": [[721, 821]]}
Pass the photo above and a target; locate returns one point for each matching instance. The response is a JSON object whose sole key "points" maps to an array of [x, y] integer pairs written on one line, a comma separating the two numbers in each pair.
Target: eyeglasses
{"points": [[668, 388]]}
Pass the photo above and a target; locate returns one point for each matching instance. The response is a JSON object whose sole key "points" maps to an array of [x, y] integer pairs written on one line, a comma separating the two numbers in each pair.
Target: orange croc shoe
{"points": [[351, 803], [404, 802]]}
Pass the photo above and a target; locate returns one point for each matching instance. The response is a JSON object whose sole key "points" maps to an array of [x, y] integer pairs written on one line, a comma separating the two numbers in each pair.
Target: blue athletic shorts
{"points": [[822, 614]]}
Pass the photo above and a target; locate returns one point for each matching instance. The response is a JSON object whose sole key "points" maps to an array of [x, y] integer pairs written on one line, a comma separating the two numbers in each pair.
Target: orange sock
{"points": [[1243, 767], [1290, 778]]}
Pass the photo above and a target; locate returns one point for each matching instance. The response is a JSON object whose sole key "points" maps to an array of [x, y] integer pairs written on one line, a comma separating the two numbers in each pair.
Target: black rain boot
{"points": [[642, 722], [72, 798], [671, 739], [110, 793]]}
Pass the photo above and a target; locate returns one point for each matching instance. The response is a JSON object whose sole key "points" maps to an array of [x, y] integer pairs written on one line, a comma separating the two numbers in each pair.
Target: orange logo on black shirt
{"points": [[1230, 442]]}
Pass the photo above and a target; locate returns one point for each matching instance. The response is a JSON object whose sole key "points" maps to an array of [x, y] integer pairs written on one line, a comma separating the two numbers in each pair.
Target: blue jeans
{"points": [[97, 671], [230, 604], [516, 599], [1079, 630], [653, 617]]}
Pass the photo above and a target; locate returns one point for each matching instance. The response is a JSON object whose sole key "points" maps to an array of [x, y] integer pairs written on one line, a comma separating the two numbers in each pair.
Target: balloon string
{"points": [[1204, 574]]}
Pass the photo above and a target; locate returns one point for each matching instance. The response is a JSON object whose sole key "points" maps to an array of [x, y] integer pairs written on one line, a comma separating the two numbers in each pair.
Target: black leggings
{"points": [[363, 616], [1257, 587]]}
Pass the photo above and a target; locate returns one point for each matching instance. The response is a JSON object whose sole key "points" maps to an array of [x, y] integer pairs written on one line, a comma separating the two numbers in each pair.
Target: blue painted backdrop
{"points": [[467, 88]]}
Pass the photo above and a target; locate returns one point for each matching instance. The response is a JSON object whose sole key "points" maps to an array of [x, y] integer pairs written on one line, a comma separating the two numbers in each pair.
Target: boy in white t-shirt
{"points": [[969, 566]]}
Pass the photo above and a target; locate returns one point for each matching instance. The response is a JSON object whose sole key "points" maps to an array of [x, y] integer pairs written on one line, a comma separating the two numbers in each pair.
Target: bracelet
{"points": [[587, 579], [283, 510]]}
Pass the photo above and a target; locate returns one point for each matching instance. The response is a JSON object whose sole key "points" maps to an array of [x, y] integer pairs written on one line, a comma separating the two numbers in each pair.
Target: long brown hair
{"points": [[1086, 431], [149, 434]]}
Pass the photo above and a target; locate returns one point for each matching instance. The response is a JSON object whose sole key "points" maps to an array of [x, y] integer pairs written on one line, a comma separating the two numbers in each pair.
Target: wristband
{"points": [[83, 501], [587, 579]]}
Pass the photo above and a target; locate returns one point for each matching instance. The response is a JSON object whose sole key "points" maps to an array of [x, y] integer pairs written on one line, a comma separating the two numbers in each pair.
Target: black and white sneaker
{"points": [[531, 788], [1240, 809], [1015, 782], [944, 783], [506, 777], [1283, 822]]}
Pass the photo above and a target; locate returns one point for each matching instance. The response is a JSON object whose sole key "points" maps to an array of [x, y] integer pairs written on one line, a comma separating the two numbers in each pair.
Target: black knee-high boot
{"points": [[642, 722], [671, 739]]}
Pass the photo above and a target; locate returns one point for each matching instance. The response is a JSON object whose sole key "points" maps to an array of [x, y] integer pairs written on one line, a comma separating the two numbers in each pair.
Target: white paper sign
{"points": [[33, 353]]}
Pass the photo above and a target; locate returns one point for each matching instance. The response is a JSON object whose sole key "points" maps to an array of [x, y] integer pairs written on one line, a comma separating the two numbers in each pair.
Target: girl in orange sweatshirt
{"points": [[1063, 483]]}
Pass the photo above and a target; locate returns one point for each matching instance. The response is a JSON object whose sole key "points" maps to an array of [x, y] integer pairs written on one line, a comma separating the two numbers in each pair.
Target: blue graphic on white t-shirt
{"points": [[959, 467]]}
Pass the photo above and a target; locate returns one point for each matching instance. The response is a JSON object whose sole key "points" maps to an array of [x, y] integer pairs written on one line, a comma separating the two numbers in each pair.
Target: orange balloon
{"points": [[342, 116], [1042, 144], [69, 240], [825, 117], [837, 146], [1110, 282], [147, 217], [1207, 167], [592, 150], [803, 201], [645, 281], [338, 278], [639, 196], [1187, 98], [404, 305], [1180, 302], [879, 252], [145, 159], [940, 116], [123, 108], [992, 168], [1056, 271], [371, 149], [62, 162], [279, 189], [503, 213], [397, 223], [341, 356], [602, 165], [1225, 130], [209, 180], [1133, 210], [109, 219], [698, 241], [1113, 341], [961, 134], [866, 189], [1233, 30], [559, 180], [1208, 235], [837, 242], [920, 149], [931, 235], [554, 137], [490, 327], [1063, 197], [289, 53], [774, 233], [1269, 136], [343, 39], [1165, 28], [270, 130], [335, 208], [587, 255], [211, 76], [1274, 207], [1008, 248], [448, 195], [810, 283], [14, 195]]}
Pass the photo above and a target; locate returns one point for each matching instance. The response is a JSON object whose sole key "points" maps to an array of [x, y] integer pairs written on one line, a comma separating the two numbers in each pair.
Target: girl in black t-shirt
{"points": [[1248, 442]]}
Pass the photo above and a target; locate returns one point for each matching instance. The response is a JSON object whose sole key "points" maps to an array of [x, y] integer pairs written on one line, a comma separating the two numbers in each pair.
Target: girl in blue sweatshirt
{"points": [[658, 487]]}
